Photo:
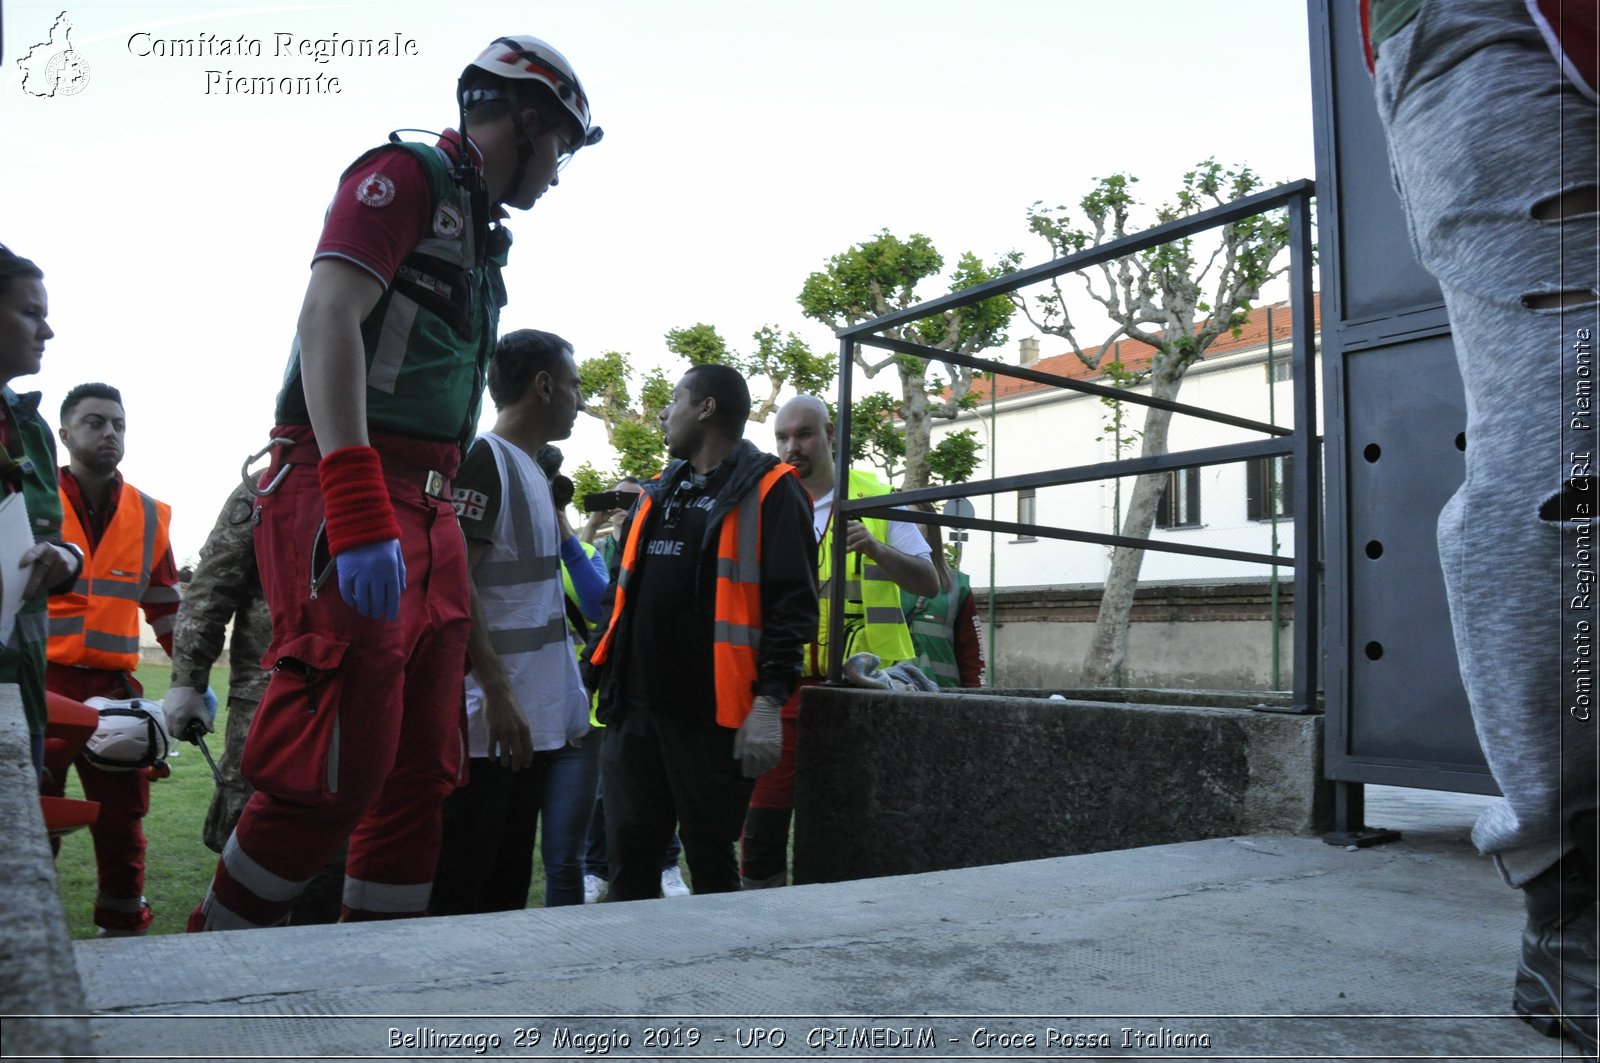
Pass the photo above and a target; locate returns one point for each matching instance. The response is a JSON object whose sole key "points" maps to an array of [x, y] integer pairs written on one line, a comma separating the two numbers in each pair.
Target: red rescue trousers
{"points": [[359, 734], [764, 848], [124, 797]]}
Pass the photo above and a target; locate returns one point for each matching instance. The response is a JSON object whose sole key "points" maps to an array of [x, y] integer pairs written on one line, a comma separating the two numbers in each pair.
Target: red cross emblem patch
{"points": [[376, 190]]}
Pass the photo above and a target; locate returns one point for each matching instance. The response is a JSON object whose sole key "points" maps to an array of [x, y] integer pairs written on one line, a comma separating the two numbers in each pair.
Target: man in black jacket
{"points": [[714, 600]]}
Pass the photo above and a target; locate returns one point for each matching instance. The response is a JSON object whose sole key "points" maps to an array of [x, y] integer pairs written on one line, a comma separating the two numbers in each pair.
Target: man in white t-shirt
{"points": [[884, 558]]}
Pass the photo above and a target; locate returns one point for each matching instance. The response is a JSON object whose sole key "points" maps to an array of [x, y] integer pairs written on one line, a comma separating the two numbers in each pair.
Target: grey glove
{"points": [[907, 676], [759, 742], [862, 670], [184, 707]]}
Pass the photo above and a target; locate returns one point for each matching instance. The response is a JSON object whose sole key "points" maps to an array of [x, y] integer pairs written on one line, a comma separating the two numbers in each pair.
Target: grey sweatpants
{"points": [[1484, 133]]}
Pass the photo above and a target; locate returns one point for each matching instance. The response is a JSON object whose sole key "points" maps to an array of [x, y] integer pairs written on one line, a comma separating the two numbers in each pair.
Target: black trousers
{"points": [[658, 769], [486, 854]]}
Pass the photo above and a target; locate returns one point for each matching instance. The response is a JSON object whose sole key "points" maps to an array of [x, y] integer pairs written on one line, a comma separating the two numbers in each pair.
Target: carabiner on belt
{"points": [[250, 478]]}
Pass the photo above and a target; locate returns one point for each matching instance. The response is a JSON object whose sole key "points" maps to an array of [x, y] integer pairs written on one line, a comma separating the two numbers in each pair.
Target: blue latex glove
{"points": [[372, 577], [211, 703]]}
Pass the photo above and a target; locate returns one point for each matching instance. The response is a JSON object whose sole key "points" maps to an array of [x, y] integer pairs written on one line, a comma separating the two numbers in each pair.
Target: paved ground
{"points": [[1261, 947]]}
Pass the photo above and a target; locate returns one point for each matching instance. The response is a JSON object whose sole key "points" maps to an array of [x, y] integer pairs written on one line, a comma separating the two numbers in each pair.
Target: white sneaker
{"points": [[594, 889], [672, 884], [118, 932], [113, 932]]}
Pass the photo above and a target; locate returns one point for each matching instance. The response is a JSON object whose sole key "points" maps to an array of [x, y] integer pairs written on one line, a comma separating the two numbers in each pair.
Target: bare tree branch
{"points": [[1155, 298]]}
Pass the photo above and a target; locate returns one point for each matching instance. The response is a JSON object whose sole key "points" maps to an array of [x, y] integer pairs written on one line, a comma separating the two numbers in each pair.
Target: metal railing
{"points": [[1301, 441]]}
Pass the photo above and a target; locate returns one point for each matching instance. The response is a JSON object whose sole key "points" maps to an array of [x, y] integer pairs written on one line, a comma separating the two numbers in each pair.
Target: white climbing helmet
{"points": [[132, 734], [528, 58]]}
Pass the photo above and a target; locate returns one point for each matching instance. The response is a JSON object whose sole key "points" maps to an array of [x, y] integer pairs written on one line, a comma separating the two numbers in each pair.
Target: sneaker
{"points": [[776, 881], [1555, 988], [118, 932], [132, 925], [672, 884], [594, 889]]}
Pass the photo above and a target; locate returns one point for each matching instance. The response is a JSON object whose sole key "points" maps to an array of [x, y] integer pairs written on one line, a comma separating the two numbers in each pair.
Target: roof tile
{"points": [[1137, 355]]}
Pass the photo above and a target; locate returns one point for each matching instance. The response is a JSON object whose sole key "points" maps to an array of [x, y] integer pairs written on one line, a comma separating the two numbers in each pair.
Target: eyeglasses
{"points": [[564, 150], [679, 500]]}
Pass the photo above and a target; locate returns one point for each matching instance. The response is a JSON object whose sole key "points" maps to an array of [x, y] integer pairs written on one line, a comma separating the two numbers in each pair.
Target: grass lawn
{"points": [[178, 866]]}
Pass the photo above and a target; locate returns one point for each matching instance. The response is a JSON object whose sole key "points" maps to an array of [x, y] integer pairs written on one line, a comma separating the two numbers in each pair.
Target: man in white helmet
{"points": [[360, 554]]}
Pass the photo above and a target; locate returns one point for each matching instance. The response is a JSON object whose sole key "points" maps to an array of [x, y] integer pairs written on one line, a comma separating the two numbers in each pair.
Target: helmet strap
{"points": [[464, 164], [468, 175], [524, 148]]}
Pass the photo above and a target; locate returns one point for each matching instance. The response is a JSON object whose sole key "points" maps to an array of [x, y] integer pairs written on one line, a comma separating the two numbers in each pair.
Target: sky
{"points": [[745, 144]]}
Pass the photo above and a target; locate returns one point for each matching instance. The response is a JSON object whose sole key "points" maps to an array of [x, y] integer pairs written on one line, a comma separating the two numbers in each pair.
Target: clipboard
{"points": [[16, 538]]}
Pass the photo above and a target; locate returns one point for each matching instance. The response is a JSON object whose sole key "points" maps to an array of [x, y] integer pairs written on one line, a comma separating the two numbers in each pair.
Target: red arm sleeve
{"points": [[969, 647]]}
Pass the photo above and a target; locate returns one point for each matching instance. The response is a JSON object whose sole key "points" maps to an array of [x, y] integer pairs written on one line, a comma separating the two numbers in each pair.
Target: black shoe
{"points": [[1555, 991]]}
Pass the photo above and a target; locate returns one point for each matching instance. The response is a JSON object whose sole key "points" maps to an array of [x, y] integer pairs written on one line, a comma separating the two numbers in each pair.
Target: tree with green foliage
{"points": [[885, 274], [1176, 299], [633, 426], [588, 479], [779, 361], [876, 438]]}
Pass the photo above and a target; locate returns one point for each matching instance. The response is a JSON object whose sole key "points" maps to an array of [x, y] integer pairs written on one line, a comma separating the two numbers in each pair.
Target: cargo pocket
{"points": [[293, 749]]}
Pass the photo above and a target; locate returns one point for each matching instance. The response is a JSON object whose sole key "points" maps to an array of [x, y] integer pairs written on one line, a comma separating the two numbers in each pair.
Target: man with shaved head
{"points": [[884, 557]]}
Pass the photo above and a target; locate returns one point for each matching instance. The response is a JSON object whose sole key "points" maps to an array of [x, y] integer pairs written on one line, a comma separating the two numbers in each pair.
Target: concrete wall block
{"points": [[894, 784], [38, 976], [1202, 634], [1232, 655]]}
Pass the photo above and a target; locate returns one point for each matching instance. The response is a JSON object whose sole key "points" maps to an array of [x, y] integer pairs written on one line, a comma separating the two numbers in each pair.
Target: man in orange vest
{"points": [[714, 601], [94, 629]]}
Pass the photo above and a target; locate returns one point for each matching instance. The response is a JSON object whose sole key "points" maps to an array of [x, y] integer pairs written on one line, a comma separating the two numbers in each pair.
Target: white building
{"points": [[1032, 427]]}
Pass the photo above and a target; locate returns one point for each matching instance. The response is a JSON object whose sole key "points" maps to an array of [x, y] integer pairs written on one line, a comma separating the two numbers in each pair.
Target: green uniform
{"points": [[31, 468], [933, 629]]}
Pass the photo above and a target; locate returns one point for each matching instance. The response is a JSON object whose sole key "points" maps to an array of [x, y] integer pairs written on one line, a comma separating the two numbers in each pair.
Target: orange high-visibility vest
{"points": [[96, 625], [736, 634]]}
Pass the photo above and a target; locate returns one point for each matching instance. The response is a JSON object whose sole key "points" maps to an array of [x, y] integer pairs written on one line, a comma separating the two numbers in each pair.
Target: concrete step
{"points": [[1270, 946]]}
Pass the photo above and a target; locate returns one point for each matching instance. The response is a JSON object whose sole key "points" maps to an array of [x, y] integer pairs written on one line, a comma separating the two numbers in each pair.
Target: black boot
{"points": [[1555, 991]]}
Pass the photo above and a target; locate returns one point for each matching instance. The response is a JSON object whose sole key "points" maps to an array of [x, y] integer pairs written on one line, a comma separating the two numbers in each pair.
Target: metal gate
{"points": [[1394, 439]]}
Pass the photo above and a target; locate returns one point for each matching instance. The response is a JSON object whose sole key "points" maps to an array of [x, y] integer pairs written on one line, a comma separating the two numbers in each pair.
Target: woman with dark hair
{"points": [[28, 467]]}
